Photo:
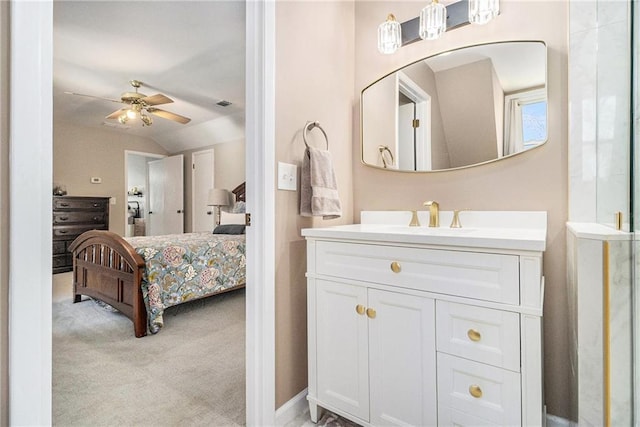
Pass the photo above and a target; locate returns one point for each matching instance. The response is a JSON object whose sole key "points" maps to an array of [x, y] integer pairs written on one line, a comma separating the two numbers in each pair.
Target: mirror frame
{"points": [[546, 89]]}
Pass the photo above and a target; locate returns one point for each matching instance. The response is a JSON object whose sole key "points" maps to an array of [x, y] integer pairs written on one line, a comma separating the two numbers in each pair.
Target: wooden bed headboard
{"points": [[239, 192]]}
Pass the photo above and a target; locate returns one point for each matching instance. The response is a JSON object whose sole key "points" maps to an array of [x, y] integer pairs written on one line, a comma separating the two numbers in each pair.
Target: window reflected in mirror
{"points": [[457, 109]]}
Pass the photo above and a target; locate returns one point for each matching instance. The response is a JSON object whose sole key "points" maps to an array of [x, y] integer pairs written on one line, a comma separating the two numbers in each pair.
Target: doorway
{"points": [[30, 192], [136, 189]]}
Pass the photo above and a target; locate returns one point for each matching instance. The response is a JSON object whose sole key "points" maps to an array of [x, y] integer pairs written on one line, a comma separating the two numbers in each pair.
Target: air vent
{"points": [[223, 103]]}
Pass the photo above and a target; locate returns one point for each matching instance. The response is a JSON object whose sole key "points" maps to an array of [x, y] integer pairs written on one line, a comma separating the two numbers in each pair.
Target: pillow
{"points": [[239, 207], [229, 229], [231, 218]]}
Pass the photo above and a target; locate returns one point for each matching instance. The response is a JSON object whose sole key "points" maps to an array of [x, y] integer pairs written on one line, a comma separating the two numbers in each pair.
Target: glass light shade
{"points": [[123, 119], [433, 21], [483, 11], [389, 35], [131, 114]]}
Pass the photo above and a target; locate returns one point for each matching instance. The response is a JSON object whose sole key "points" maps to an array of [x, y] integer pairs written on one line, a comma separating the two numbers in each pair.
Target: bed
{"points": [[142, 276]]}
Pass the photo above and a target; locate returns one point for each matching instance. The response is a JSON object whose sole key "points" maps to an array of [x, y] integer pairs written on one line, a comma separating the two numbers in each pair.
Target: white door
{"points": [[174, 194], [402, 351], [406, 137], [341, 336], [166, 196], [155, 217], [202, 180]]}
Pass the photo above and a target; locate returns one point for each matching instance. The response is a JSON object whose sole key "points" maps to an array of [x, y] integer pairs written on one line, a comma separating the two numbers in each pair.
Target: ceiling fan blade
{"points": [[116, 114], [157, 99], [119, 101], [167, 115]]}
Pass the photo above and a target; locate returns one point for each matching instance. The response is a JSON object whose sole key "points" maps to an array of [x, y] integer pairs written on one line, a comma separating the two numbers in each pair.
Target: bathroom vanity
{"points": [[427, 326]]}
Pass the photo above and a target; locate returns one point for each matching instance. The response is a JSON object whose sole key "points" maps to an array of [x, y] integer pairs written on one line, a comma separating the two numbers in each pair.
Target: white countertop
{"points": [[522, 231]]}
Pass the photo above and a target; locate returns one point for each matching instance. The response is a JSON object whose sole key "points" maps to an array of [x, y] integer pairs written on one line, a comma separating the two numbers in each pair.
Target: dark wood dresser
{"points": [[73, 216]]}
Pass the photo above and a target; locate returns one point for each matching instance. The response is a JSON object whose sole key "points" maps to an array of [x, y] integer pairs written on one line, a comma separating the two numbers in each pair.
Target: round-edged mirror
{"points": [[457, 109]]}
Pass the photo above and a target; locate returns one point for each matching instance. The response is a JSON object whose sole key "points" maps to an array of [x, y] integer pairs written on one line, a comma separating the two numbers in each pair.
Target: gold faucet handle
{"points": [[455, 222], [415, 222]]}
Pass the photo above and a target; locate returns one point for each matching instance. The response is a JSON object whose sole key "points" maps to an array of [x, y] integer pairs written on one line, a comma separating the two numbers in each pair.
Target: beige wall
{"points": [[314, 81], [534, 180], [228, 171], [80, 153], [4, 218], [470, 132]]}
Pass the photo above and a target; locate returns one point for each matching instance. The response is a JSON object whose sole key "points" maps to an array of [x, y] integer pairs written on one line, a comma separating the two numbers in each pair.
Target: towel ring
{"points": [[309, 126]]}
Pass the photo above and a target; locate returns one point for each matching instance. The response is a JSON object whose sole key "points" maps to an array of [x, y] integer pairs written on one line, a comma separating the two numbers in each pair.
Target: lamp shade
{"points": [[218, 197]]}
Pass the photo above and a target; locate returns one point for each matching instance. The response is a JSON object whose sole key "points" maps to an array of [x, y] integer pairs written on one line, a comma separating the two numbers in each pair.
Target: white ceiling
{"points": [[193, 52]]}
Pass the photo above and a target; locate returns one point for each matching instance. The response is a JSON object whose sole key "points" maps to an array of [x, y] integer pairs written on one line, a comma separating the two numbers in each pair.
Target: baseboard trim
{"points": [[553, 421], [298, 404], [291, 409]]}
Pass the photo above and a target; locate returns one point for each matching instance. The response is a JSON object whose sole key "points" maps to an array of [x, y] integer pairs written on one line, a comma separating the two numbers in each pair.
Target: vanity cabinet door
{"points": [[402, 359], [342, 350]]}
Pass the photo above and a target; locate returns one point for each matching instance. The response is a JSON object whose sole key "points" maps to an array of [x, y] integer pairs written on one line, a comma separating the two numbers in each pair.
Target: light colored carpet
{"points": [[191, 373]]}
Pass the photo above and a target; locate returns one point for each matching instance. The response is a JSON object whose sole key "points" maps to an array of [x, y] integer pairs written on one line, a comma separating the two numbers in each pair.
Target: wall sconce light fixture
{"points": [[389, 35], [433, 21]]}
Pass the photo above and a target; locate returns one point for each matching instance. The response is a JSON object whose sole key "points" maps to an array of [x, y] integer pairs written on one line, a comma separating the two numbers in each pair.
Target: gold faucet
{"points": [[434, 213]]}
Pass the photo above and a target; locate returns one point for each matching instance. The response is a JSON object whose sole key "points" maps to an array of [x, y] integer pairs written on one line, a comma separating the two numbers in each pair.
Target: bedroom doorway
{"points": [[136, 189], [30, 191]]}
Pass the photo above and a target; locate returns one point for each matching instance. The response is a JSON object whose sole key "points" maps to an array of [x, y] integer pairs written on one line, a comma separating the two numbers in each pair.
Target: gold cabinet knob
{"points": [[371, 313], [474, 335], [395, 267], [360, 309], [475, 391]]}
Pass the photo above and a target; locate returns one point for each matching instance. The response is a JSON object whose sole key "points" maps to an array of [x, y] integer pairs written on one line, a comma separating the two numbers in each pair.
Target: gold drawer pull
{"points": [[395, 267], [474, 335], [475, 391], [360, 309], [371, 313]]}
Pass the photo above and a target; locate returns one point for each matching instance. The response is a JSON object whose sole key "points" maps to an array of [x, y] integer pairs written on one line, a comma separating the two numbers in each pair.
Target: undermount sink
{"points": [[435, 231]]}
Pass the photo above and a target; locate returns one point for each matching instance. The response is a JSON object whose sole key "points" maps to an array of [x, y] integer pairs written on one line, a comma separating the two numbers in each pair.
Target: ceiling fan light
{"points": [[123, 119], [146, 120], [433, 21], [483, 11]]}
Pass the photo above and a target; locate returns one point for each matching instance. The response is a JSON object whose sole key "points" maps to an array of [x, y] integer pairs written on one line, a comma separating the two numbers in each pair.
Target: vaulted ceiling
{"points": [[192, 52]]}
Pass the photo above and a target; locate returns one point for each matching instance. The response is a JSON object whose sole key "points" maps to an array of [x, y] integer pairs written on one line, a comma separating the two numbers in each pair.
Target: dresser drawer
{"points": [[474, 390], [82, 217], [478, 333], [60, 247], [62, 261], [491, 277], [62, 203], [72, 231]]}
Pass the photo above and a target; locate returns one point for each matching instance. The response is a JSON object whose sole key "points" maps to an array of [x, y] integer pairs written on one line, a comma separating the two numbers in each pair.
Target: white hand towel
{"points": [[318, 187]]}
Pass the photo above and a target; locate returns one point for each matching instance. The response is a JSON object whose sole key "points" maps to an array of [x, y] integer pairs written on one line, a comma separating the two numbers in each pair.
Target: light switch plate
{"points": [[96, 180], [287, 176]]}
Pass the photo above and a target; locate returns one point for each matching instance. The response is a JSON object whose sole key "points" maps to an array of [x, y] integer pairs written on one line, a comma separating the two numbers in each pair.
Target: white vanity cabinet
{"points": [[423, 334], [360, 330]]}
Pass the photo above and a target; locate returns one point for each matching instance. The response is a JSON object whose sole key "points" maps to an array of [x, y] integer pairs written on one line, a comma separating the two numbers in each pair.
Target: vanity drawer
{"points": [[480, 393], [491, 277], [477, 333]]}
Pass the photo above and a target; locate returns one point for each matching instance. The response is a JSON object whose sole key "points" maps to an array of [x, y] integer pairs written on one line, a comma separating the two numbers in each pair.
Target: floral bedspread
{"points": [[184, 267]]}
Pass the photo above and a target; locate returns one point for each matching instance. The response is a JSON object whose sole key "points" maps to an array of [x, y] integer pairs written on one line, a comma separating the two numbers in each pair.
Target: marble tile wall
{"points": [[591, 317]]}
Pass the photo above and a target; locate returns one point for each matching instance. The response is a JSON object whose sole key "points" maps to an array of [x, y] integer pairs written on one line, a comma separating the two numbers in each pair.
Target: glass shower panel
{"points": [[613, 113]]}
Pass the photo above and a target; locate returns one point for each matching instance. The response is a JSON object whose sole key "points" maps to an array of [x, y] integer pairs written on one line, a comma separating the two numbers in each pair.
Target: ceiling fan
{"points": [[140, 106]]}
